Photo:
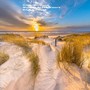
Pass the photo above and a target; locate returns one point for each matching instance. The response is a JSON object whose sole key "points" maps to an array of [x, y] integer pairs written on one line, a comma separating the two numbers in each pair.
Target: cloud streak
{"points": [[34, 8], [11, 15]]}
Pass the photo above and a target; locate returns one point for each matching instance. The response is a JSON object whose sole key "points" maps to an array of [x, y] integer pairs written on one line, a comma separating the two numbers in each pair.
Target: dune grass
{"points": [[72, 51], [37, 42], [3, 58], [17, 40], [87, 55], [14, 38], [34, 63], [22, 42]]}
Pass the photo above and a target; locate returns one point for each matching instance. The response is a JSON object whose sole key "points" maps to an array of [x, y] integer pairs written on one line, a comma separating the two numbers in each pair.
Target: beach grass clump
{"points": [[34, 59], [14, 38], [17, 40], [72, 51], [3, 57]]}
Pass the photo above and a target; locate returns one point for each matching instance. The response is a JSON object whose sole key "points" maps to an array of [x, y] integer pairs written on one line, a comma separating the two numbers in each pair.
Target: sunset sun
{"points": [[36, 27]]}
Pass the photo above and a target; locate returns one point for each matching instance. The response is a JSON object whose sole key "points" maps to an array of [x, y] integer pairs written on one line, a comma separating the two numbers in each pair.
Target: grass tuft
{"points": [[22, 42], [72, 51], [38, 42], [34, 63], [17, 40], [3, 58]]}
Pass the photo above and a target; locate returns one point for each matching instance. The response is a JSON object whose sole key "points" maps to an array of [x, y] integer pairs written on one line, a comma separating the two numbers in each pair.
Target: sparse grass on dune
{"points": [[14, 38], [20, 41], [72, 51], [3, 58], [34, 63], [82, 38], [87, 55], [38, 42]]}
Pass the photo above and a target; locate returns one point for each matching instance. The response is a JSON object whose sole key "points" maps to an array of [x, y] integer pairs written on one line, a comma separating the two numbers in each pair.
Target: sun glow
{"points": [[36, 27]]}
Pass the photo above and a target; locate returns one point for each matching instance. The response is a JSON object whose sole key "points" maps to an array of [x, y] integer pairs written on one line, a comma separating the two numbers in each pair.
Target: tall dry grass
{"points": [[34, 63], [17, 40], [3, 58], [22, 42], [72, 51], [37, 42]]}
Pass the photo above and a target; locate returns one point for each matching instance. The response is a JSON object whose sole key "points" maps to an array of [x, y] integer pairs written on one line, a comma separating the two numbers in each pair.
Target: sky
{"points": [[49, 15]]}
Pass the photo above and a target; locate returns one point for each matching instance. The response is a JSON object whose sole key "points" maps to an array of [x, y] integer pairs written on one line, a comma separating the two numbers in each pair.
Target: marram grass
{"points": [[3, 58], [17, 40], [20, 41], [72, 51], [34, 59]]}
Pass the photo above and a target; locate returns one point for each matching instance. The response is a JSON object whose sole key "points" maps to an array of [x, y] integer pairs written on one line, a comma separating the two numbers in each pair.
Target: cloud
{"points": [[44, 9], [46, 23], [68, 5], [42, 23], [10, 15], [36, 8]]}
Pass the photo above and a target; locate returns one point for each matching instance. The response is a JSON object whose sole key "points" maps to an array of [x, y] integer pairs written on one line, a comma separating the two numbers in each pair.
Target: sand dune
{"points": [[15, 74]]}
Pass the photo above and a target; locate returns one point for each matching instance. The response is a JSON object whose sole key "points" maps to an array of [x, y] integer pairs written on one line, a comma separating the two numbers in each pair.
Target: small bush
{"points": [[3, 58]]}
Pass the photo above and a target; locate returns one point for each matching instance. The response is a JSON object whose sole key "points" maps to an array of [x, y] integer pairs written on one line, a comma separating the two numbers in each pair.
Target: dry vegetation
{"points": [[3, 58], [37, 42], [17, 40], [34, 63], [22, 42], [72, 51]]}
